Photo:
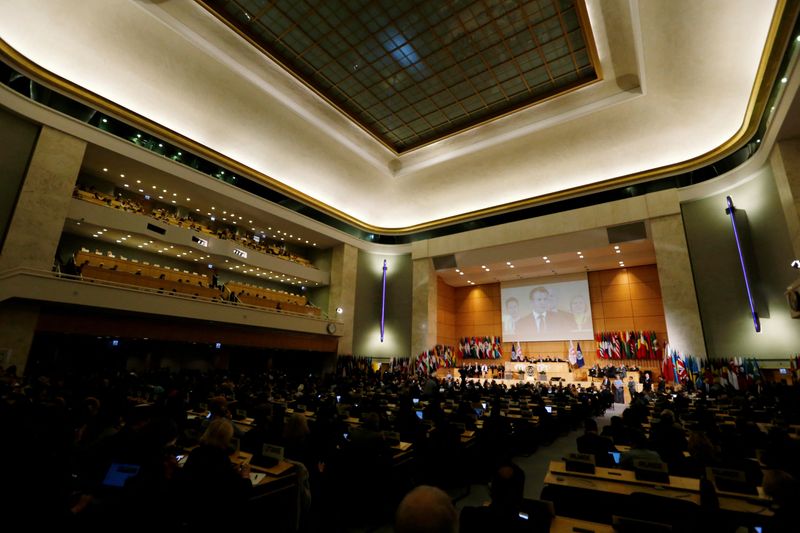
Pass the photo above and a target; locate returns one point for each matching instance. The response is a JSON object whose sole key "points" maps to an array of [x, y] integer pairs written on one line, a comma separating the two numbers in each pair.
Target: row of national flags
{"points": [[440, 356], [480, 348], [401, 365], [346, 365], [627, 345], [739, 373]]}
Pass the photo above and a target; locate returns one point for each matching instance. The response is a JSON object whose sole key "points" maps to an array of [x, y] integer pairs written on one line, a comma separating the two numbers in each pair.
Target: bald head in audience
{"points": [[426, 510]]}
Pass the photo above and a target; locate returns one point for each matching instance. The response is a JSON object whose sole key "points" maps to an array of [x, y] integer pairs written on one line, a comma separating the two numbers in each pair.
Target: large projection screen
{"points": [[547, 309]]}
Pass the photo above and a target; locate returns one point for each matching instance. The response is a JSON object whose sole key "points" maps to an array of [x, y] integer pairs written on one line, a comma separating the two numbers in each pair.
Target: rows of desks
{"points": [[624, 482]]}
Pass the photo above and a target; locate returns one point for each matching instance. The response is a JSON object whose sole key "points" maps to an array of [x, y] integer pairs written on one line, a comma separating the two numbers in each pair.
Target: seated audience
{"points": [[508, 510], [214, 490], [592, 443], [639, 450], [426, 510]]}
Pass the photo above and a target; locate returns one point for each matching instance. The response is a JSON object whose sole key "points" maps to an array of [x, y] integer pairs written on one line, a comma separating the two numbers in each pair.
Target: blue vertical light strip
{"points": [[731, 210], [383, 299]]}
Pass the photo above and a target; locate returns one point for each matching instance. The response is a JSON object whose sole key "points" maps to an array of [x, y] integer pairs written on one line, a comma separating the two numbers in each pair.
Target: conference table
{"points": [[620, 482], [564, 524]]}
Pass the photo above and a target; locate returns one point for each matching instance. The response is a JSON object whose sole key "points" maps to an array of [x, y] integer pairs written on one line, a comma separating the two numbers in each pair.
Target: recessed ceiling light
{"points": [[460, 273], [618, 251], [457, 270], [579, 253], [547, 261], [511, 266], [784, 79], [125, 185], [508, 263], [105, 170], [212, 208], [483, 266], [616, 247], [580, 256], [122, 175], [545, 258]]}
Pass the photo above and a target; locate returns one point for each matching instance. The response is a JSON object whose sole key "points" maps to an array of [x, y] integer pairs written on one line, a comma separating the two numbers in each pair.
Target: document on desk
{"points": [[256, 478]]}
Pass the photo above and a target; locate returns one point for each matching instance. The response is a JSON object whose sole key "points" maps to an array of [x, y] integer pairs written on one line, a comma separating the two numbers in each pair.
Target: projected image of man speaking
{"points": [[543, 319], [553, 309]]}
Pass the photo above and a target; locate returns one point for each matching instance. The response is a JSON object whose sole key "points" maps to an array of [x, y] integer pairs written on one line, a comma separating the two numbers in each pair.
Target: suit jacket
{"points": [[553, 321]]}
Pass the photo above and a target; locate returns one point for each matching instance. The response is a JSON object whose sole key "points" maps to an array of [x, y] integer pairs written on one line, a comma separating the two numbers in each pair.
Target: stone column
{"points": [[423, 306], [344, 269], [681, 311], [35, 230]]}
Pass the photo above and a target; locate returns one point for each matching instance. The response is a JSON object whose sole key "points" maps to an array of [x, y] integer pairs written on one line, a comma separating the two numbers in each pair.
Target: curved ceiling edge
{"points": [[780, 29]]}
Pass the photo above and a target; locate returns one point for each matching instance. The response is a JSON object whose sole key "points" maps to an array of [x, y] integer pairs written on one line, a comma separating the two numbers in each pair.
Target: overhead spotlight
{"points": [[796, 263], [616, 247], [339, 310]]}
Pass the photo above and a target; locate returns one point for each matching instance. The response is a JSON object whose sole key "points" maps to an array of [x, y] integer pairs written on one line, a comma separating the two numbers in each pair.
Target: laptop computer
{"points": [[119, 473]]}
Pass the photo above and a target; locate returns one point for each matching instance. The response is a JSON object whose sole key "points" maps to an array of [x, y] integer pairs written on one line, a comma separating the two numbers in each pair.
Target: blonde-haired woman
{"points": [[214, 488]]}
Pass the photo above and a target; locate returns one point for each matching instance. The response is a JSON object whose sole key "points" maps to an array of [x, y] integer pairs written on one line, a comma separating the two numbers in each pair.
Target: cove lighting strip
{"points": [[731, 211], [383, 300]]}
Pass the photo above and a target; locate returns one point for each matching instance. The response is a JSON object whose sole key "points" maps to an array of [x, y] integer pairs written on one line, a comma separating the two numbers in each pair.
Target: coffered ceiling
{"points": [[412, 72]]}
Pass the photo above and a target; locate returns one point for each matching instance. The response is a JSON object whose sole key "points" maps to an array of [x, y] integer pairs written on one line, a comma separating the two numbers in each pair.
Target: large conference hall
{"points": [[413, 266]]}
